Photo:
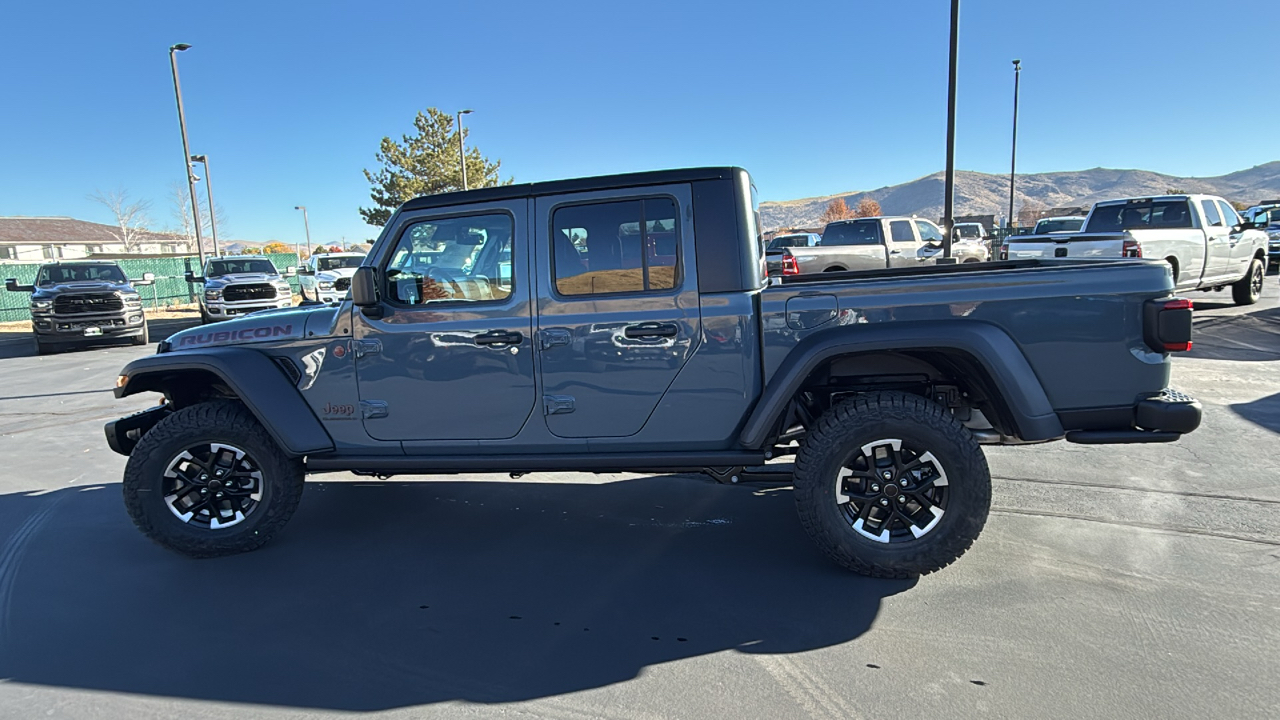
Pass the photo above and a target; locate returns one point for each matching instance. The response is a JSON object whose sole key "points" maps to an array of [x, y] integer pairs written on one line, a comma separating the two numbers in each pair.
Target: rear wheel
{"points": [[207, 481], [890, 485], [1248, 289]]}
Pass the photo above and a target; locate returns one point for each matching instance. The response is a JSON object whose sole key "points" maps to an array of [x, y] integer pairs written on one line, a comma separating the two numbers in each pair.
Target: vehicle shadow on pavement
{"points": [[380, 596], [1250, 337], [1263, 411], [18, 343]]}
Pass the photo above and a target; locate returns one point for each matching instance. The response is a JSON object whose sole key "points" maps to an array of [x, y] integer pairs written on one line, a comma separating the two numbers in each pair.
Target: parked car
{"points": [[635, 330], [84, 302], [240, 284], [1069, 223], [1205, 243], [868, 244], [326, 277]]}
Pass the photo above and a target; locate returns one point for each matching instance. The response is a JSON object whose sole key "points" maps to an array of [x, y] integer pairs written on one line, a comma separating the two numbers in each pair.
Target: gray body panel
{"points": [[393, 388]]}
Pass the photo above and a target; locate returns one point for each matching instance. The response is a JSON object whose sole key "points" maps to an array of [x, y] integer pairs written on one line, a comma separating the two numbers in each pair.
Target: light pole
{"points": [[306, 226], [1013, 161], [186, 152], [949, 193], [462, 155], [208, 183]]}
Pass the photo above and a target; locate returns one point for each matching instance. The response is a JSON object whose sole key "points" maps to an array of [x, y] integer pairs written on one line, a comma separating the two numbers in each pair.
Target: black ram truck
{"points": [[83, 302]]}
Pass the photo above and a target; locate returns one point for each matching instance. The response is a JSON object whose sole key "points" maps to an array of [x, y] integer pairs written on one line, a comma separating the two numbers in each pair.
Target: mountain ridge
{"points": [[986, 194]]}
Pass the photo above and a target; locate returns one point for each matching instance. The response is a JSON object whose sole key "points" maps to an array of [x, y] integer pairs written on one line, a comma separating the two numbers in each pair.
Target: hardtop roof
{"points": [[555, 187]]}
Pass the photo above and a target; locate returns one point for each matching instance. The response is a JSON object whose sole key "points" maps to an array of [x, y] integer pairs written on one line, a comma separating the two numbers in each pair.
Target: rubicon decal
{"points": [[221, 336]]}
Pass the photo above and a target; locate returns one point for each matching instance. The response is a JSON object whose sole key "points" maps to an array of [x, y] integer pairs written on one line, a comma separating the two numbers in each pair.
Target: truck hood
{"points": [[74, 287], [259, 327]]}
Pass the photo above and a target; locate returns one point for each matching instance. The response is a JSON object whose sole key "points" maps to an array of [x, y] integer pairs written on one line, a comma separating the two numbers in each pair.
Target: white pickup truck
{"points": [[873, 243], [1208, 246]]}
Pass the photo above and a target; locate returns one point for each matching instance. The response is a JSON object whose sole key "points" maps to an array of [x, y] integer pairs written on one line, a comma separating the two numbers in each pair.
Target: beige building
{"points": [[41, 239]]}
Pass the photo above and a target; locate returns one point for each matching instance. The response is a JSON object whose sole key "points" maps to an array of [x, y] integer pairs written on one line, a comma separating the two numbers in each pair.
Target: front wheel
{"points": [[1248, 289], [145, 336], [889, 484], [208, 480]]}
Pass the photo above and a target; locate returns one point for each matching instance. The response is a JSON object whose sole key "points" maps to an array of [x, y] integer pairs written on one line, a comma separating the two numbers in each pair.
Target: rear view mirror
{"points": [[12, 286]]}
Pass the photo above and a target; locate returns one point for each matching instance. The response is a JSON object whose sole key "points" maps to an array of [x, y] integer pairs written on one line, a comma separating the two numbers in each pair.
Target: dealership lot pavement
{"points": [[1120, 581]]}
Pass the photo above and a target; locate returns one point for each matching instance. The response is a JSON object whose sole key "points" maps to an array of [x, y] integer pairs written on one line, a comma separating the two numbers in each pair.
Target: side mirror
{"points": [[364, 291], [304, 270], [149, 277], [12, 285], [146, 279]]}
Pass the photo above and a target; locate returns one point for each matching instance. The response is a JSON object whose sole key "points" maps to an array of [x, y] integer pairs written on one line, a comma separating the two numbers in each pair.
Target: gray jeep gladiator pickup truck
{"points": [[83, 302], [626, 323]]}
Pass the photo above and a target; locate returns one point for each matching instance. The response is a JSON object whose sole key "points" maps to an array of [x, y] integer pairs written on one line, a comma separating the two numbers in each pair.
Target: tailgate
{"points": [[1085, 246]]}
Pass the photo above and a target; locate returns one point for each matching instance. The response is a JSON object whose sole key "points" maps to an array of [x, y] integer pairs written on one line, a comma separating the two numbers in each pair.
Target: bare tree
{"points": [[131, 217], [180, 213]]}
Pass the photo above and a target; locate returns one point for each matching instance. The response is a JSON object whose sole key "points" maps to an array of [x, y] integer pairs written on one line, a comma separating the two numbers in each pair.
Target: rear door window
{"points": [[1211, 214], [616, 247]]}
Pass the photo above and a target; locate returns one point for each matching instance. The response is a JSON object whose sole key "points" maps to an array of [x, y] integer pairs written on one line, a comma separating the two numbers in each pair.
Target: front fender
{"points": [[256, 380], [999, 355]]}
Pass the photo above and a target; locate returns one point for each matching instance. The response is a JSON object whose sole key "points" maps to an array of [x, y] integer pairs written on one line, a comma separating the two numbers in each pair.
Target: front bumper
{"points": [[1164, 417], [61, 328], [123, 434]]}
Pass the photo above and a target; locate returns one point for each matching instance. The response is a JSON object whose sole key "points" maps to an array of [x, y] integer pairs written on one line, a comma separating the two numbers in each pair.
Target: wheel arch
{"points": [[248, 376], [981, 356]]}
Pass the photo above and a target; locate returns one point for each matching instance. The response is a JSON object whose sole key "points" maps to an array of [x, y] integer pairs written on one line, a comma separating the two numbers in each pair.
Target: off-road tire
{"points": [[1248, 289], [220, 421], [145, 337], [839, 436]]}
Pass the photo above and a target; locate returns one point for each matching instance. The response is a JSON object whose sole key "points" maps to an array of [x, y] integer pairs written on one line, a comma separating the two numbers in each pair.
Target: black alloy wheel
{"points": [[892, 492], [212, 486]]}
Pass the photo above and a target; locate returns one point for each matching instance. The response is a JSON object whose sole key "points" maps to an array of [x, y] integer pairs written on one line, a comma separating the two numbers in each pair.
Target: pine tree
{"points": [[425, 163]]}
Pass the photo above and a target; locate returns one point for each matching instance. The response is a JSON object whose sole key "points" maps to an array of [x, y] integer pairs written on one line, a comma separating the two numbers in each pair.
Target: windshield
{"points": [[789, 241], [56, 274], [1140, 214], [861, 232], [337, 263], [218, 268], [966, 232], [1051, 226]]}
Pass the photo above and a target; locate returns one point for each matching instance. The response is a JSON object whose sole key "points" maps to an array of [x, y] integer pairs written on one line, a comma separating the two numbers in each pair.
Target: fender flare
{"points": [[1019, 388], [256, 380]]}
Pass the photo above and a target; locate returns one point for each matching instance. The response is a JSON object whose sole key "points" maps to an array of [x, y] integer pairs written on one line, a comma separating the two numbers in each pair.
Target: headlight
{"points": [[283, 285], [326, 286], [132, 298], [212, 294], [41, 304], [1273, 234]]}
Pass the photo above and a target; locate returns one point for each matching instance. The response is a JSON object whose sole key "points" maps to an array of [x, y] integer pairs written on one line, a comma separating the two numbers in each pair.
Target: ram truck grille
{"points": [[87, 303], [255, 291], [342, 284]]}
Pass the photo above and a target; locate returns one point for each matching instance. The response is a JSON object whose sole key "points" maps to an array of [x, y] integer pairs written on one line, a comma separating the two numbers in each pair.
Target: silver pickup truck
{"points": [[1207, 245], [873, 243]]}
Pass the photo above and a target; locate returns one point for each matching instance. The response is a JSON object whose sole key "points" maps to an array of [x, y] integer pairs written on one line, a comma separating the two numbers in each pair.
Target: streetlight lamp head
{"points": [[180, 47], [465, 112], [1016, 63], [198, 158], [299, 207]]}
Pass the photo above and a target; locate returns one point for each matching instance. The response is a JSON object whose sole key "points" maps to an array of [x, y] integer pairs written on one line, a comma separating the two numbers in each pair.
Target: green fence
{"points": [[170, 287]]}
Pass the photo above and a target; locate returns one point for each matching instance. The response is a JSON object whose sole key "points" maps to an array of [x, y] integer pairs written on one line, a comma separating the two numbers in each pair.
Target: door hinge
{"points": [[366, 347], [557, 404], [373, 409]]}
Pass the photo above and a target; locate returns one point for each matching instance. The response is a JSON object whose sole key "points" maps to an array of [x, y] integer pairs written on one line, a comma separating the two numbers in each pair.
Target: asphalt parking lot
{"points": [[1111, 581]]}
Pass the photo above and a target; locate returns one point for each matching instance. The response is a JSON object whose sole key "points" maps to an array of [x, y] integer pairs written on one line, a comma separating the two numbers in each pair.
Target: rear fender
{"points": [[999, 356]]}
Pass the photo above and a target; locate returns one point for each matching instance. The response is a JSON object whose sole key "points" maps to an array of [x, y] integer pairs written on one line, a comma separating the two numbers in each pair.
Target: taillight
{"points": [[1167, 325], [789, 265], [1004, 251], [1131, 249]]}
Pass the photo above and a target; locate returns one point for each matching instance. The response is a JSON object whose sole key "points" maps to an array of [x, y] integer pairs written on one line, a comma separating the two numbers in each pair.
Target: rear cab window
{"points": [[858, 232], [1140, 214]]}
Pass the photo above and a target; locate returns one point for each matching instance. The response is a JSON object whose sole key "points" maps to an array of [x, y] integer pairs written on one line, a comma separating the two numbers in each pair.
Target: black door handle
{"points": [[651, 330], [499, 337]]}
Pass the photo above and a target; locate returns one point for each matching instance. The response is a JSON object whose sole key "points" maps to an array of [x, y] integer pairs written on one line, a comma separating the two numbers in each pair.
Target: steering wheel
{"points": [[445, 275]]}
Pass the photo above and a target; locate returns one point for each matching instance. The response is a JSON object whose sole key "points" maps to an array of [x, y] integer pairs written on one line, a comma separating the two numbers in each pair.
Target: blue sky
{"points": [[290, 100]]}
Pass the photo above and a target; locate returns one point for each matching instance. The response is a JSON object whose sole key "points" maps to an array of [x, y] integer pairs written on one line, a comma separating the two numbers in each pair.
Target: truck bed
{"points": [[1068, 317]]}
